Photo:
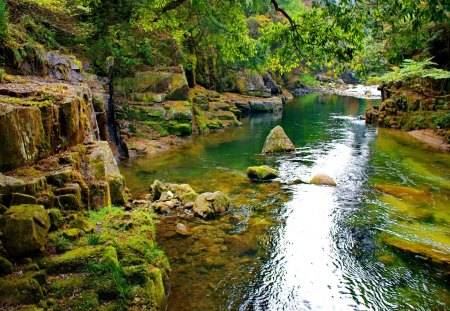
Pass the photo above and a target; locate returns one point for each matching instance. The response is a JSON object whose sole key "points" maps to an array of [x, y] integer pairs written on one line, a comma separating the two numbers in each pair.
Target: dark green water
{"points": [[367, 244]]}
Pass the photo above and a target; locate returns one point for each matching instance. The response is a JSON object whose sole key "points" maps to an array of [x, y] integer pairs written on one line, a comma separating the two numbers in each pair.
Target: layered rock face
{"points": [[405, 108], [39, 118], [159, 103]]}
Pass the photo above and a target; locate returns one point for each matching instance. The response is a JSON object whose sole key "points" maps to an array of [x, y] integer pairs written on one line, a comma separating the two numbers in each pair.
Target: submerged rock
{"points": [[182, 229], [277, 141], [260, 173], [210, 204], [323, 179], [25, 229]]}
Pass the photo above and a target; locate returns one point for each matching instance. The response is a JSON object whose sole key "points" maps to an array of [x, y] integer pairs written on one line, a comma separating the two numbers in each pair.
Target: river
{"points": [[380, 240]]}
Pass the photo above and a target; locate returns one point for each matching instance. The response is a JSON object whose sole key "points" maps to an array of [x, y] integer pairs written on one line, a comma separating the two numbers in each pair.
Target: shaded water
{"points": [[289, 246]]}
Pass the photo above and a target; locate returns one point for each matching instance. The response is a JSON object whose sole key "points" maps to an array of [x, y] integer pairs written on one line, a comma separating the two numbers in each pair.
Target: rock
{"points": [[5, 266], [277, 141], [157, 188], [70, 202], [263, 172], [252, 84], [99, 195], [323, 179], [79, 222], [20, 289], [76, 259], [72, 234], [10, 184], [166, 196], [56, 218], [25, 229], [210, 204], [20, 198], [103, 167], [22, 136], [164, 207], [189, 205], [271, 84], [269, 105], [182, 229]]}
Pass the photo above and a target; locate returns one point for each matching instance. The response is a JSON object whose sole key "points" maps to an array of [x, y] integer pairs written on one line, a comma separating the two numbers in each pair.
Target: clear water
{"points": [[290, 246]]}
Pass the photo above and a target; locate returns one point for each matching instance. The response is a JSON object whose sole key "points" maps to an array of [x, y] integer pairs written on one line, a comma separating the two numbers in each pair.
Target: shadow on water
{"points": [[287, 246]]}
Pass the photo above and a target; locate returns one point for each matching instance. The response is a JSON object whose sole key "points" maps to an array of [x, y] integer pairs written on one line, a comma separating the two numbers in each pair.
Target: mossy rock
{"points": [[261, 173], [22, 290], [277, 141], [56, 218], [78, 259], [5, 266], [70, 202], [180, 129], [66, 287], [72, 234], [25, 229], [21, 198], [211, 204]]}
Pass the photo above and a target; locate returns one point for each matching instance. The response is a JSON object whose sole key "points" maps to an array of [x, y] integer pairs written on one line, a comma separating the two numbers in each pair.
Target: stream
{"points": [[380, 240]]}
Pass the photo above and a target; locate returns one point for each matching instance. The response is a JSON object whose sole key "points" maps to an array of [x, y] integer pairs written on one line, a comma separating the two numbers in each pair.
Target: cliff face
{"points": [[409, 109]]}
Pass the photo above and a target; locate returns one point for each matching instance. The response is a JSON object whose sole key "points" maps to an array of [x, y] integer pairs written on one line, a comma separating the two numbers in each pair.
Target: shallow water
{"points": [[290, 246]]}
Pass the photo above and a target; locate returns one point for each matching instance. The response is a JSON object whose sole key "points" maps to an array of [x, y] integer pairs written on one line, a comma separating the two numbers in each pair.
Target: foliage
{"points": [[308, 80], [411, 70], [2, 73], [3, 21]]}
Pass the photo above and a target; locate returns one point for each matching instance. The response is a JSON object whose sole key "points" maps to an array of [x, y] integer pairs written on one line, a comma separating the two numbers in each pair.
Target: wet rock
{"points": [[182, 229], [25, 229], [277, 141], [210, 204], [242, 245], [260, 173], [323, 179], [20, 198]]}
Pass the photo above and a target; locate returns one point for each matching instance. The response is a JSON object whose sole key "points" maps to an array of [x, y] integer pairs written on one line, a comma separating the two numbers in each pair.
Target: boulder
{"points": [[10, 184], [20, 290], [182, 229], [210, 204], [79, 222], [270, 83], [277, 141], [25, 229], [323, 179], [103, 167], [268, 105], [157, 188], [21, 198], [263, 172], [252, 84]]}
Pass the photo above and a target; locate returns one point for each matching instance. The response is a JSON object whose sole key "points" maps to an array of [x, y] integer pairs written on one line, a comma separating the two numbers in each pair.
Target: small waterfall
{"points": [[112, 124]]}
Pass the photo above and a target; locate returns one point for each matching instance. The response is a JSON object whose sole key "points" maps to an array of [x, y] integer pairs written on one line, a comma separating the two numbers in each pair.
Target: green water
{"points": [[367, 244]]}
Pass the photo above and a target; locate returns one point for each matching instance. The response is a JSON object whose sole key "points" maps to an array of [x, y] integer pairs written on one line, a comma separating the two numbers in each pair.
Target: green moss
{"points": [[180, 129], [19, 291], [263, 172], [23, 102], [65, 287]]}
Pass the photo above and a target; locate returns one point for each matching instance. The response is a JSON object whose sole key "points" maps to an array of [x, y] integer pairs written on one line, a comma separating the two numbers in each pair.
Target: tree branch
{"points": [[168, 7]]}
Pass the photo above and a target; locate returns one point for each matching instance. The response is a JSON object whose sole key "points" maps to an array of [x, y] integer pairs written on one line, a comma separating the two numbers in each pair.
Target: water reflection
{"points": [[289, 246]]}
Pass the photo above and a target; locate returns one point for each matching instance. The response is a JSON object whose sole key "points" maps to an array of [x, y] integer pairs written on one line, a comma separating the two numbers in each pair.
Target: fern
{"points": [[412, 70]]}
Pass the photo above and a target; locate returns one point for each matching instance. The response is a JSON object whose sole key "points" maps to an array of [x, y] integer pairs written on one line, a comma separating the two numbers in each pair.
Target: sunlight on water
{"points": [[292, 246]]}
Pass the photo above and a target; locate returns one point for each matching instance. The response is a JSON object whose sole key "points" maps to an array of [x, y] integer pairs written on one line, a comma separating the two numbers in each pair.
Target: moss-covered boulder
{"points": [[263, 172], [323, 179], [79, 258], [157, 188], [25, 229], [211, 204], [277, 141], [79, 222], [21, 198], [5, 266], [19, 289]]}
